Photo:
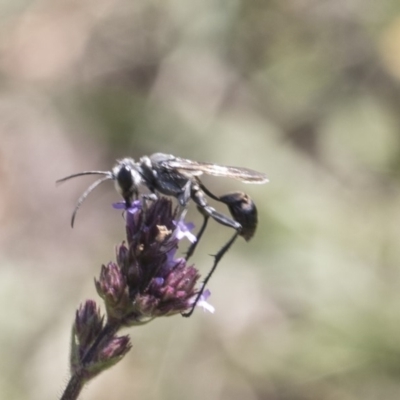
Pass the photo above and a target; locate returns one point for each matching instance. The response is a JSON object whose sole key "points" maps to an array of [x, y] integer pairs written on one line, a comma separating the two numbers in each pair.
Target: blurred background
{"points": [[306, 91]]}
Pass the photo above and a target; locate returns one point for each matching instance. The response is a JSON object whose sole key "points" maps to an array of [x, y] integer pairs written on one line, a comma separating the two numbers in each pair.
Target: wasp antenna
{"points": [[107, 173], [86, 193]]}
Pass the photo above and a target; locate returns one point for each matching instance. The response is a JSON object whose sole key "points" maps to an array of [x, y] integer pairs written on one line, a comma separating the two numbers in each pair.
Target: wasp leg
{"points": [[193, 246], [241, 207], [199, 198], [207, 211], [244, 213], [183, 199], [145, 198], [217, 259], [184, 196]]}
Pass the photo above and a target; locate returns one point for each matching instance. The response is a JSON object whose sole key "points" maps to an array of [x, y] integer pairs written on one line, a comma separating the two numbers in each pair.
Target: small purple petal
{"points": [[119, 205], [171, 254], [183, 230], [131, 211], [134, 207], [206, 294], [204, 304]]}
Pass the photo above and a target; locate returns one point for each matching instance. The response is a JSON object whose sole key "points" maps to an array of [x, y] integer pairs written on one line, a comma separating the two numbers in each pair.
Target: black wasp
{"points": [[177, 177]]}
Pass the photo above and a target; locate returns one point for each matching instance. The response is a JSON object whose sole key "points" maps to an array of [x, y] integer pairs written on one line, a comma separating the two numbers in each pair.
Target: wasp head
{"points": [[127, 179]]}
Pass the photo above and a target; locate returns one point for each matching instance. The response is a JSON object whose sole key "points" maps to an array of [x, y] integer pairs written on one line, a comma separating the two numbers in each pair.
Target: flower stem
{"points": [[74, 387]]}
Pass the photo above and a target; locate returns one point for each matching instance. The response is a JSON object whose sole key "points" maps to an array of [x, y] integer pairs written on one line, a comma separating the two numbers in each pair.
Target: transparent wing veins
{"points": [[195, 168]]}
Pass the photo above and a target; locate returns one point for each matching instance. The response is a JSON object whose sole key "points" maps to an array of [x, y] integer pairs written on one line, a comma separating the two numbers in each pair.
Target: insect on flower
{"points": [[179, 178]]}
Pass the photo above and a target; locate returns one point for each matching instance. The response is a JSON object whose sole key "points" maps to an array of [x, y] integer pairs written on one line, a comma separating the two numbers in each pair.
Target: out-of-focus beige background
{"points": [[306, 91]]}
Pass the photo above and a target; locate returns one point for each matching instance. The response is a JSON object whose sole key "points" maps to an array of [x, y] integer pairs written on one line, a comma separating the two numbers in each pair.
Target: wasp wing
{"points": [[195, 168]]}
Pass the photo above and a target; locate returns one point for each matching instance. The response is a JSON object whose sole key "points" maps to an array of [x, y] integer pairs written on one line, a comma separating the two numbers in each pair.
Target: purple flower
{"points": [[148, 281]]}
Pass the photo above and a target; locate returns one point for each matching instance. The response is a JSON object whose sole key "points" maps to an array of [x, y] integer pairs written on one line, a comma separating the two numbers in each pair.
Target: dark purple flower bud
{"points": [[111, 285], [112, 350], [112, 288], [122, 256], [178, 290], [88, 323], [115, 349]]}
